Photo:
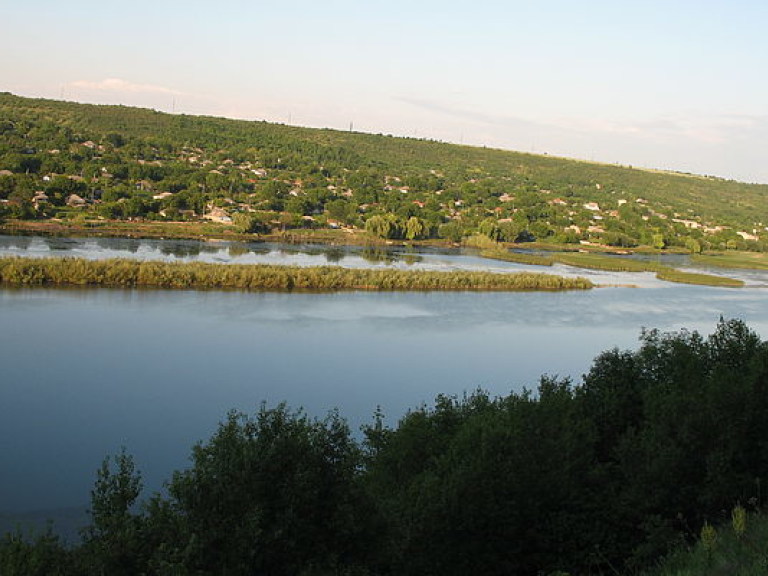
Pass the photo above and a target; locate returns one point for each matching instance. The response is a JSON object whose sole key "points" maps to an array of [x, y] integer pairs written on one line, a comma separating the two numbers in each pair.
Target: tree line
{"points": [[601, 477]]}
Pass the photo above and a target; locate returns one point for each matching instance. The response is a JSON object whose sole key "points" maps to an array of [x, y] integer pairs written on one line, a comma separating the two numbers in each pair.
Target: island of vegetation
{"points": [[658, 453], [198, 275], [68, 168]]}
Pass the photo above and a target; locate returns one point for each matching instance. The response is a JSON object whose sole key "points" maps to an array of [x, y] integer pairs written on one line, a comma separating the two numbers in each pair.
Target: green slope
{"points": [[115, 155]]}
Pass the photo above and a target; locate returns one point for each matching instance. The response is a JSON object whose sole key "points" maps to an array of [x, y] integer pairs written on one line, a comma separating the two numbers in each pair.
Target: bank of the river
{"points": [[596, 261], [147, 229], [589, 257], [16, 271]]}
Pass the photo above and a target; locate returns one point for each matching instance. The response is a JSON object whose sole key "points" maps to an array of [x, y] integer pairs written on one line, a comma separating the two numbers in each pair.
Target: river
{"points": [[86, 371]]}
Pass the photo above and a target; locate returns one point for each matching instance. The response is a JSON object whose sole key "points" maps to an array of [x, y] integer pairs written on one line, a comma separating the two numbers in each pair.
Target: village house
{"points": [[39, 198], [692, 224], [218, 215], [75, 201]]}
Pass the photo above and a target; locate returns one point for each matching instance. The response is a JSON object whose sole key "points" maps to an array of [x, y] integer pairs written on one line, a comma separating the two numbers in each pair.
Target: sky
{"points": [[666, 84]]}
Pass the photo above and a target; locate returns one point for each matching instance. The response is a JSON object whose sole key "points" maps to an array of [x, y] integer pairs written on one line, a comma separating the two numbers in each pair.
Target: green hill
{"points": [[63, 159]]}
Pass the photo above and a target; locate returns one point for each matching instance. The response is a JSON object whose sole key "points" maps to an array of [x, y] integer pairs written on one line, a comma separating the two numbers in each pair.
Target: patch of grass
{"points": [[518, 257], [199, 275], [750, 260], [594, 261], [673, 275], [722, 551]]}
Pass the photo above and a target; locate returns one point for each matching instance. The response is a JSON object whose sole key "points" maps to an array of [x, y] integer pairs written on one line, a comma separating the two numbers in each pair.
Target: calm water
{"points": [[85, 372]]}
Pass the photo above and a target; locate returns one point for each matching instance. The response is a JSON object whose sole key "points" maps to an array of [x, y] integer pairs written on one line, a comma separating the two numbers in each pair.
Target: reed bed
{"points": [[268, 278]]}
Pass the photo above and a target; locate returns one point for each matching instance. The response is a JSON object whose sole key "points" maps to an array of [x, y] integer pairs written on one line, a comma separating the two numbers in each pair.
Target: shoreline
{"points": [[585, 258]]}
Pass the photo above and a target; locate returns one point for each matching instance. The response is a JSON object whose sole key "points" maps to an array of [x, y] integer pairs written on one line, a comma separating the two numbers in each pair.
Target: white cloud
{"points": [[118, 85]]}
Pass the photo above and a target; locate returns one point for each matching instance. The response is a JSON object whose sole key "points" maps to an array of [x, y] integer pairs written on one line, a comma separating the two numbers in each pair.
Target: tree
{"points": [[380, 226], [341, 210], [274, 494], [36, 555], [693, 245], [415, 228], [249, 223], [452, 231], [112, 541], [490, 228]]}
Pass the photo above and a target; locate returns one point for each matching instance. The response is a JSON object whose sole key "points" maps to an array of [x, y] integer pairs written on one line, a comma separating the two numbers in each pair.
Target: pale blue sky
{"points": [[661, 84]]}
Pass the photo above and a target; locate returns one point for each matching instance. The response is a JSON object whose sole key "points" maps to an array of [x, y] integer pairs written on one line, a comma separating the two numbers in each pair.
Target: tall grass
{"points": [[749, 260], [134, 273], [728, 549]]}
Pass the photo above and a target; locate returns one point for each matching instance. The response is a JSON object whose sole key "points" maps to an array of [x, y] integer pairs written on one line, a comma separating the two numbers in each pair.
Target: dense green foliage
{"points": [[264, 277], [61, 159], [603, 477]]}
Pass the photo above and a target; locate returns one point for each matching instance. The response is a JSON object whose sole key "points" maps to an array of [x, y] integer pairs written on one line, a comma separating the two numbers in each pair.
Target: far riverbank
{"points": [[580, 257]]}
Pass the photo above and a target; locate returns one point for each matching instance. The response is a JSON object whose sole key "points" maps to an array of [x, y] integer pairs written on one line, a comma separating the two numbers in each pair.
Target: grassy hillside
{"points": [[68, 160]]}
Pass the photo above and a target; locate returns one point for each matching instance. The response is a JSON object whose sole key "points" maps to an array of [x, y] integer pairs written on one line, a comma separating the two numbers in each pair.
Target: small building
{"points": [[218, 215], [39, 198], [747, 236], [75, 201]]}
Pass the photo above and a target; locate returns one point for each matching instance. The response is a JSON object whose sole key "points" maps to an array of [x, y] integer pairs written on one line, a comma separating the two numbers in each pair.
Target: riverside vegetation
{"points": [[613, 264], [635, 463], [131, 273]]}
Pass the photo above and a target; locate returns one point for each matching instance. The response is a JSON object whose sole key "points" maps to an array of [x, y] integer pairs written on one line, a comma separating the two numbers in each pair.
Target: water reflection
{"points": [[131, 245], [378, 256], [20, 242], [334, 255], [237, 249], [181, 249], [61, 244], [410, 258]]}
